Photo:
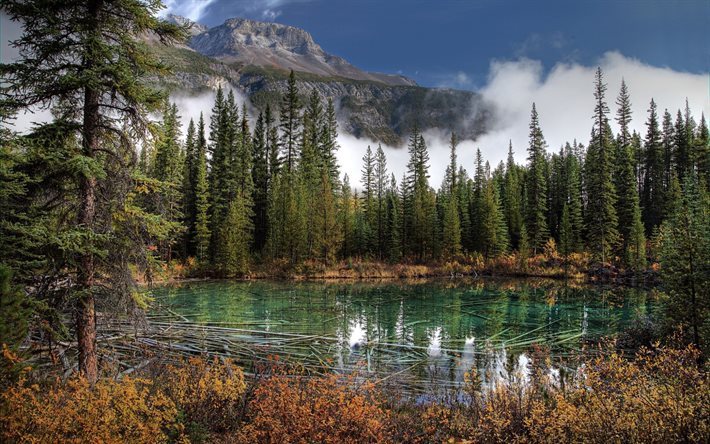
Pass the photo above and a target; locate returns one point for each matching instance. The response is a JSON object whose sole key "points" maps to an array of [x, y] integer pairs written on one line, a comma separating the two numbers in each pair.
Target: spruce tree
{"points": [[512, 197], [234, 237], [536, 189], [369, 206], [290, 116], [685, 259], [702, 153], [347, 218], [381, 183], [88, 57], [188, 189], [653, 199], [202, 227], [602, 221], [451, 230], [681, 148], [394, 222], [574, 198], [261, 179], [627, 205], [329, 143]]}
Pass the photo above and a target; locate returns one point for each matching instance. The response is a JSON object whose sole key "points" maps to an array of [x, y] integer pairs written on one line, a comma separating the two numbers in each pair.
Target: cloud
{"points": [[192, 9], [457, 80], [565, 103], [190, 107]]}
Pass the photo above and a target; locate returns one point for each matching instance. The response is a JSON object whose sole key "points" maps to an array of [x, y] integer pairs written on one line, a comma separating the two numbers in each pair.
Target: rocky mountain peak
{"points": [[194, 28], [273, 45]]}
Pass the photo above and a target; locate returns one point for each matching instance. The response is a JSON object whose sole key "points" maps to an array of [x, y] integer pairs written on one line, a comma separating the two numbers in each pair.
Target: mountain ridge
{"points": [[256, 57]]}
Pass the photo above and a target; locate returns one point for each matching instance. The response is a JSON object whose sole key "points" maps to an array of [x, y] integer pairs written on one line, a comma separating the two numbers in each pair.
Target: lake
{"points": [[418, 334]]}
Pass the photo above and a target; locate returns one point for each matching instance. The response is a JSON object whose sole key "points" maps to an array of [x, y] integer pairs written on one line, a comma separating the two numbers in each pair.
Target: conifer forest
{"points": [[222, 278]]}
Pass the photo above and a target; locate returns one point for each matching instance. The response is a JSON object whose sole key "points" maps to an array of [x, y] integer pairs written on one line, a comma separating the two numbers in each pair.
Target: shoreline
{"points": [[371, 271]]}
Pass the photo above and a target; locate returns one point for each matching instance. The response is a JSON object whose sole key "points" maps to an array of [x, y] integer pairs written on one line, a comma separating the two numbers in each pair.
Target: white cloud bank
{"points": [[565, 103]]}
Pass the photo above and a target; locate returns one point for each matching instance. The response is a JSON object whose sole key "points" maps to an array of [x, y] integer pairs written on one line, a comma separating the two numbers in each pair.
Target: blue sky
{"points": [[452, 42]]}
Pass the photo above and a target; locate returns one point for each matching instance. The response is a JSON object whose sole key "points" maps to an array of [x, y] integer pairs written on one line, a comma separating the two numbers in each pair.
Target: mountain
{"points": [[256, 57], [279, 46]]}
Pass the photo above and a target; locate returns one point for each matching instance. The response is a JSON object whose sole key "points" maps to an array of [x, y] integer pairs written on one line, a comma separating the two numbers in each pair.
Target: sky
{"points": [[513, 53], [451, 42]]}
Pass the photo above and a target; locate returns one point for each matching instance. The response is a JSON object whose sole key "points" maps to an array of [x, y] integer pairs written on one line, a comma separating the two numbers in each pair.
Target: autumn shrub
{"points": [[129, 411], [208, 393], [295, 409], [662, 396]]}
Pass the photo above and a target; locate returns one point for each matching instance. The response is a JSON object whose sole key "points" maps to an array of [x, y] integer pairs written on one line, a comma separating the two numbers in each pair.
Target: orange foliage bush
{"points": [[662, 397], [110, 412], [208, 393], [296, 409]]}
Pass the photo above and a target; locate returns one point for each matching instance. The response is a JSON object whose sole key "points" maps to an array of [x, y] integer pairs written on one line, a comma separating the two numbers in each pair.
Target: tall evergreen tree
{"points": [[685, 262], [602, 221], [512, 197], [653, 199], [290, 115], [369, 206], [87, 56], [451, 230], [627, 206], [188, 189], [262, 182], [381, 183], [394, 222], [702, 152], [202, 226], [536, 218]]}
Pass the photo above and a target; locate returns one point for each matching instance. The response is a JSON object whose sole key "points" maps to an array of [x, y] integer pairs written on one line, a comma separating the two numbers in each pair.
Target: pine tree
{"points": [[234, 237], [685, 259], [347, 218], [290, 115], [451, 235], [668, 150], [262, 183], [574, 198], [326, 228], [512, 197], [188, 189], [653, 199], [168, 168], [536, 219], [702, 152], [602, 221], [523, 249], [627, 204], [566, 242], [636, 244], [202, 231], [394, 222], [329, 143], [369, 206], [420, 205], [681, 148], [381, 183], [86, 56]]}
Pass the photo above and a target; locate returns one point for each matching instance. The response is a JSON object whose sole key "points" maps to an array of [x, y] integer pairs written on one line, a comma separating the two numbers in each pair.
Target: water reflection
{"points": [[420, 332]]}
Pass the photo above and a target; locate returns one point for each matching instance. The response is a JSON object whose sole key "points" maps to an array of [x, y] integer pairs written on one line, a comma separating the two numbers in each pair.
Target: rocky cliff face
{"points": [[256, 57], [278, 46]]}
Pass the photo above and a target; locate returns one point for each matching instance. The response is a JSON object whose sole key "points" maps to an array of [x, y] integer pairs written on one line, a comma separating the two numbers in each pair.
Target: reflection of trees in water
{"points": [[426, 328]]}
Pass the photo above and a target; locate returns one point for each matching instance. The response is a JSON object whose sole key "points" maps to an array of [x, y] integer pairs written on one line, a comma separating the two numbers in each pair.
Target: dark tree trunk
{"points": [[86, 310]]}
